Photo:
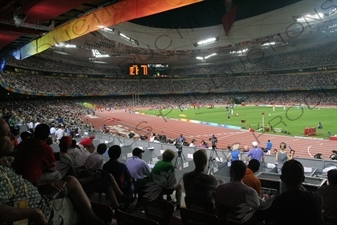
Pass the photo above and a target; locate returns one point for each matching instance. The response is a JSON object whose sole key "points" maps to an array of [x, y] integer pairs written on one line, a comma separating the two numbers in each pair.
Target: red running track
{"points": [[144, 124]]}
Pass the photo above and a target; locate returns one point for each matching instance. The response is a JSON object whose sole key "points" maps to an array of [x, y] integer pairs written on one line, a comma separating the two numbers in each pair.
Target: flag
{"points": [[228, 19]]}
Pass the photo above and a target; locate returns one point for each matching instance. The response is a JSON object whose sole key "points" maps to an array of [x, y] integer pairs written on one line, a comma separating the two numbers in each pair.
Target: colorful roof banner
{"points": [[104, 17]]}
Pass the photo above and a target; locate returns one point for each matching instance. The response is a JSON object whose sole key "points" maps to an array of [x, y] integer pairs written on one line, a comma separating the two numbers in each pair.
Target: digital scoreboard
{"points": [[136, 70], [148, 69]]}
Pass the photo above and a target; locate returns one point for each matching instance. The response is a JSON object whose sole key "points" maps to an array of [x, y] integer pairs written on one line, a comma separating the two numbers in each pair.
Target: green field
{"points": [[292, 120]]}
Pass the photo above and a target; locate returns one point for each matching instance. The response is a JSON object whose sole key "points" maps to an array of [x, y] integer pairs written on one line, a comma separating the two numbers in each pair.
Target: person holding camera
{"points": [[282, 156], [214, 140]]}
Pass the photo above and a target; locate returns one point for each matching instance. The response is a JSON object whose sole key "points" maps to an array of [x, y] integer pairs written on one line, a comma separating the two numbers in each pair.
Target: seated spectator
{"points": [[294, 206], [235, 195], [40, 210], [35, 159], [96, 181], [197, 183], [95, 160], [163, 180], [329, 195], [139, 171], [250, 179], [121, 174], [80, 153]]}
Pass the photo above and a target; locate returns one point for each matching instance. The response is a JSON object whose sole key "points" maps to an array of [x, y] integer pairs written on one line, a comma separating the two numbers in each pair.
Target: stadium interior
{"points": [[115, 70]]}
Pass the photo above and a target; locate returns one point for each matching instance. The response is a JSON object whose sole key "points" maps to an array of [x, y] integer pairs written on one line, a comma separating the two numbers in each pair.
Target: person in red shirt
{"points": [[34, 157]]}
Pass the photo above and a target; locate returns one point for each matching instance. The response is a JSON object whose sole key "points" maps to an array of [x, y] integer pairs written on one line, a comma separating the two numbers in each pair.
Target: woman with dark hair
{"points": [[282, 156]]}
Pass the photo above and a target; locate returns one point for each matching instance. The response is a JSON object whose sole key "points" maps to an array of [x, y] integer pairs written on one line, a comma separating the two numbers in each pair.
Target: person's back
{"points": [[256, 153], [329, 195], [250, 179], [118, 170], [294, 206], [235, 195], [197, 183], [35, 157], [95, 161]]}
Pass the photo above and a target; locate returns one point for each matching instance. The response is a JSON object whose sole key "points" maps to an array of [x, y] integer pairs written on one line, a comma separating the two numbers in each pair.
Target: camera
{"points": [[131, 135], [178, 145], [143, 137]]}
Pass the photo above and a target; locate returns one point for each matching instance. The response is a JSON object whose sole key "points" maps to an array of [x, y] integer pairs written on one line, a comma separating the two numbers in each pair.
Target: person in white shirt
{"points": [[52, 130], [95, 160], [139, 171], [156, 140], [59, 133], [81, 154], [152, 137], [30, 126], [193, 143], [37, 123]]}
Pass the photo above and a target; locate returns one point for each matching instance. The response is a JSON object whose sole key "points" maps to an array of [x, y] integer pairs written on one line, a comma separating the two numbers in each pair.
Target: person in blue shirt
{"points": [[269, 146], [235, 153], [181, 138]]}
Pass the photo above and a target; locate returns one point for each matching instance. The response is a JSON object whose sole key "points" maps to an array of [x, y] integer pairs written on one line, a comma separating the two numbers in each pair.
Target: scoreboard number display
{"points": [[148, 69], [136, 70]]}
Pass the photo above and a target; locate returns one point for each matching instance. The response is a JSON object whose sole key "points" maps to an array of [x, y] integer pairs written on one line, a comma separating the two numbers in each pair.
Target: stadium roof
{"points": [[168, 37]]}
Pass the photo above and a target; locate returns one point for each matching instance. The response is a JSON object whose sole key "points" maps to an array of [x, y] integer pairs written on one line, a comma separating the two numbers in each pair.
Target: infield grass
{"points": [[292, 120]]}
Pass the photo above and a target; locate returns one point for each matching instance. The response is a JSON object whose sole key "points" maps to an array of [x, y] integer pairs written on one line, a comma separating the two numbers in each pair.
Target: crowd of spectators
{"points": [[258, 61], [229, 84], [254, 60], [70, 110], [43, 64]]}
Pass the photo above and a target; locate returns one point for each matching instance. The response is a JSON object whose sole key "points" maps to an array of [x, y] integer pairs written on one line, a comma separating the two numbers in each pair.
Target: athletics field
{"points": [[290, 121]]}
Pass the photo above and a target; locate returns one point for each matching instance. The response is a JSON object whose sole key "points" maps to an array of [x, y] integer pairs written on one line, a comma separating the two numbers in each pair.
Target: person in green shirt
{"points": [[163, 179]]}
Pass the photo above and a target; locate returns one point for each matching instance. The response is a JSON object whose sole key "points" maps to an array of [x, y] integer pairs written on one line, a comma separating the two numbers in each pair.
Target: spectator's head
{"points": [[332, 177], [292, 174], [254, 165], [49, 141], [200, 159], [25, 135], [73, 143], [238, 170], [138, 152], [87, 143], [6, 139], [115, 152], [42, 132], [236, 146], [168, 155], [101, 148], [65, 144], [255, 144], [283, 145]]}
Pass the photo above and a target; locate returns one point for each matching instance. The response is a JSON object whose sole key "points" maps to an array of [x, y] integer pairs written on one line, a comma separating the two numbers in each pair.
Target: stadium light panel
{"points": [[211, 55], [206, 41], [133, 41], [310, 17]]}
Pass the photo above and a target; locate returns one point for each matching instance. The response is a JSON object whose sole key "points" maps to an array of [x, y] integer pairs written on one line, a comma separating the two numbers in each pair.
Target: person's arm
{"points": [[85, 180], [247, 156], [146, 169], [50, 162], [10, 214], [276, 157], [229, 157], [258, 187]]}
